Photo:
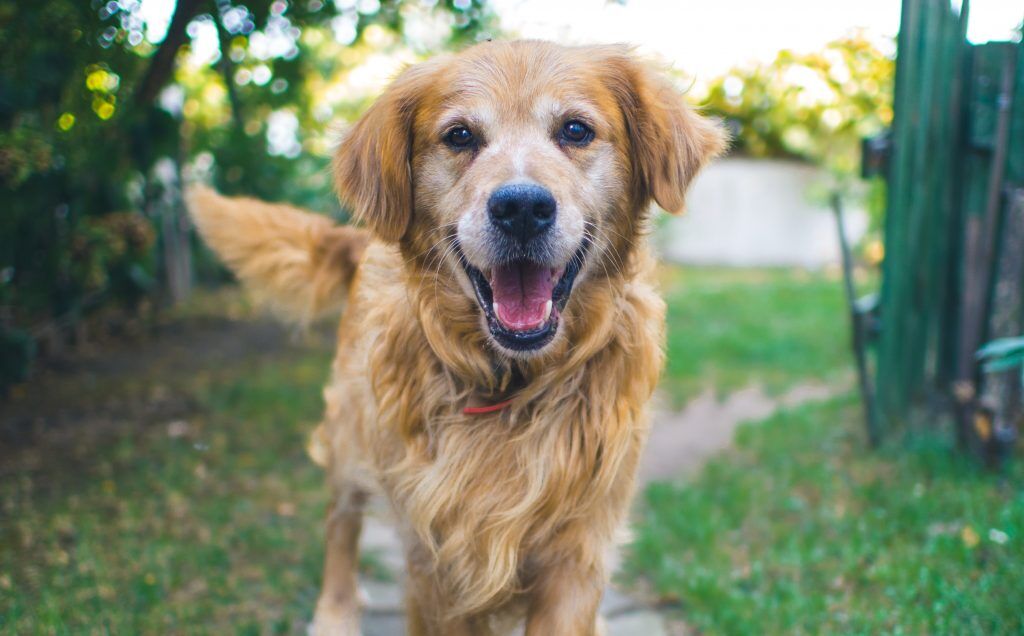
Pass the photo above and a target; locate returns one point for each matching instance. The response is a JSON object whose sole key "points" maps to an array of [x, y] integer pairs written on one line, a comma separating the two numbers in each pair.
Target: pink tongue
{"points": [[521, 294]]}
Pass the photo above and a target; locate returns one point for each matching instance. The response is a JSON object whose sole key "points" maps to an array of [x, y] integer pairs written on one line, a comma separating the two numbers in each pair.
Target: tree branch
{"points": [[162, 65], [227, 67]]}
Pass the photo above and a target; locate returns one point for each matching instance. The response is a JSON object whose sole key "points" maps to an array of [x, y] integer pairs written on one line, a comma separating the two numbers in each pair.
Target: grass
{"points": [[209, 518], [214, 521], [729, 328], [801, 530]]}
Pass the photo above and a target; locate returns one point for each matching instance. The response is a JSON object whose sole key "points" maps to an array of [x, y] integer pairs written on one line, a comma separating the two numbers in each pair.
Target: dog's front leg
{"points": [[337, 610], [565, 600], [425, 612]]}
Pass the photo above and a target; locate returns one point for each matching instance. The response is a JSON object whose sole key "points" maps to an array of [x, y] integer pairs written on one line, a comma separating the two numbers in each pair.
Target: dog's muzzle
{"points": [[522, 300]]}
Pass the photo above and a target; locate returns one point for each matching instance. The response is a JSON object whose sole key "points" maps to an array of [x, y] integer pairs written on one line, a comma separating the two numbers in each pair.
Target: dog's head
{"points": [[525, 168]]}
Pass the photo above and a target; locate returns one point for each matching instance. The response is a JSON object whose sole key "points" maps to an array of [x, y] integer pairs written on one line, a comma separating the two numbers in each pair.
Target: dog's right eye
{"points": [[460, 137]]}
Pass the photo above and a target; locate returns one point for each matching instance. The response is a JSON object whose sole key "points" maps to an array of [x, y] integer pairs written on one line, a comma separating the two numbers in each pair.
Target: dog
{"points": [[501, 334]]}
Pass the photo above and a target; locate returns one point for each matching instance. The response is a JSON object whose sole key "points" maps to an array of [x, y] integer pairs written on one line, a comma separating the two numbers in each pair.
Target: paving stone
{"points": [[379, 534], [380, 539], [383, 624], [641, 623], [383, 597], [615, 602]]}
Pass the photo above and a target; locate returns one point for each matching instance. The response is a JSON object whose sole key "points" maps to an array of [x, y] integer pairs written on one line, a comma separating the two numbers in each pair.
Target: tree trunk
{"points": [[162, 65]]}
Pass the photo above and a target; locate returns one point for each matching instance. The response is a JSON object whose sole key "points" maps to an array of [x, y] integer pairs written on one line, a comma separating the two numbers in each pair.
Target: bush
{"points": [[85, 130]]}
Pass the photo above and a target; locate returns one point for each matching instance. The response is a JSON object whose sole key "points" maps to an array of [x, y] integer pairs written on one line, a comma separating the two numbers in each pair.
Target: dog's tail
{"points": [[297, 263]]}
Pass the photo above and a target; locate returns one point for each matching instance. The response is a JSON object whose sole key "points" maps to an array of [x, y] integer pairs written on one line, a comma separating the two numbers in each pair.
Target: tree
{"points": [[93, 115]]}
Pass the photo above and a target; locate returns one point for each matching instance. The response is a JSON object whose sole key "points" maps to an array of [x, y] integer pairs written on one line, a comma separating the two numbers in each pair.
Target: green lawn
{"points": [[207, 518], [213, 523], [728, 328], [801, 530]]}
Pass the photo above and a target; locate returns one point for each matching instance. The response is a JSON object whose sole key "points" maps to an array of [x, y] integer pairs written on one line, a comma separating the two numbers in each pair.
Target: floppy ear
{"points": [[373, 163], [669, 141]]}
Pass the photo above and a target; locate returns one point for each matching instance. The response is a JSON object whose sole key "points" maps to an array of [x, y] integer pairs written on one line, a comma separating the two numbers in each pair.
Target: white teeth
{"points": [[547, 310]]}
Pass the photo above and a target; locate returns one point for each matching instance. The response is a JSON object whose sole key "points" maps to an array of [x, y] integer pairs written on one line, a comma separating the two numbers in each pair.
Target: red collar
{"points": [[482, 410]]}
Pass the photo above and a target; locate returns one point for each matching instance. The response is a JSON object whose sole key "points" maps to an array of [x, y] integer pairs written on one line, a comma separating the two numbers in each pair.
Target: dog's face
{"points": [[522, 168]]}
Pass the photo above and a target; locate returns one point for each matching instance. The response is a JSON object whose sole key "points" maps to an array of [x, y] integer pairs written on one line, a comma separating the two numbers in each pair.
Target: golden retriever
{"points": [[502, 334]]}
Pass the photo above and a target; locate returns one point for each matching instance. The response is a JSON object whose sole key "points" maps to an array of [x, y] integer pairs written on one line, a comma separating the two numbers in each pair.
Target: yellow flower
{"points": [[96, 80], [66, 121], [105, 111], [969, 536]]}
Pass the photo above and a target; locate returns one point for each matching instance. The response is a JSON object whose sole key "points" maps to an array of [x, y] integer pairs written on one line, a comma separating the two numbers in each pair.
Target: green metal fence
{"points": [[951, 236]]}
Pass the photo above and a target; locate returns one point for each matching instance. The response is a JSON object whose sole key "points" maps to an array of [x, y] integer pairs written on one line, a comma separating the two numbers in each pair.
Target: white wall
{"points": [[757, 212]]}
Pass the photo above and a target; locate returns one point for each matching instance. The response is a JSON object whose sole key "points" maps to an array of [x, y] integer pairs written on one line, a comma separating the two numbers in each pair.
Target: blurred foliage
{"points": [[101, 113], [1003, 354], [114, 252], [814, 107]]}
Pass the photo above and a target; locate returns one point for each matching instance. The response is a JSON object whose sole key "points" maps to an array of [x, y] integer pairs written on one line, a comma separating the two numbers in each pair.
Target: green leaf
{"points": [[1001, 347], [1004, 363]]}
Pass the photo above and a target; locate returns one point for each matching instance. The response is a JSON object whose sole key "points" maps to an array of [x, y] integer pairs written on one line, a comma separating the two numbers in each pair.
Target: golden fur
{"points": [[515, 509], [297, 264]]}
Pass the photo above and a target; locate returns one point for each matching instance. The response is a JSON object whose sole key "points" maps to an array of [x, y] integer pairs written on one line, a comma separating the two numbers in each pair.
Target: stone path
{"points": [[681, 442]]}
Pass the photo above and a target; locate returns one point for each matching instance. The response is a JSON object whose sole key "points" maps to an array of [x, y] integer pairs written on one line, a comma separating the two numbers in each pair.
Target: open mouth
{"points": [[523, 300]]}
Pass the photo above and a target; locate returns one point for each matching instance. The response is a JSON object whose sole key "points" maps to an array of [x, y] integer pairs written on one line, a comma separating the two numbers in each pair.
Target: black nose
{"points": [[522, 210]]}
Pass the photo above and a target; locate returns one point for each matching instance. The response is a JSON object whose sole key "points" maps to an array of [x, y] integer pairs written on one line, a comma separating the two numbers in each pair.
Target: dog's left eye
{"points": [[576, 132], [460, 137]]}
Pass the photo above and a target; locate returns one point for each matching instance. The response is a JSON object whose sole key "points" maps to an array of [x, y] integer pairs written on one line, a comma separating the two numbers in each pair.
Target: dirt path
{"points": [[681, 442]]}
